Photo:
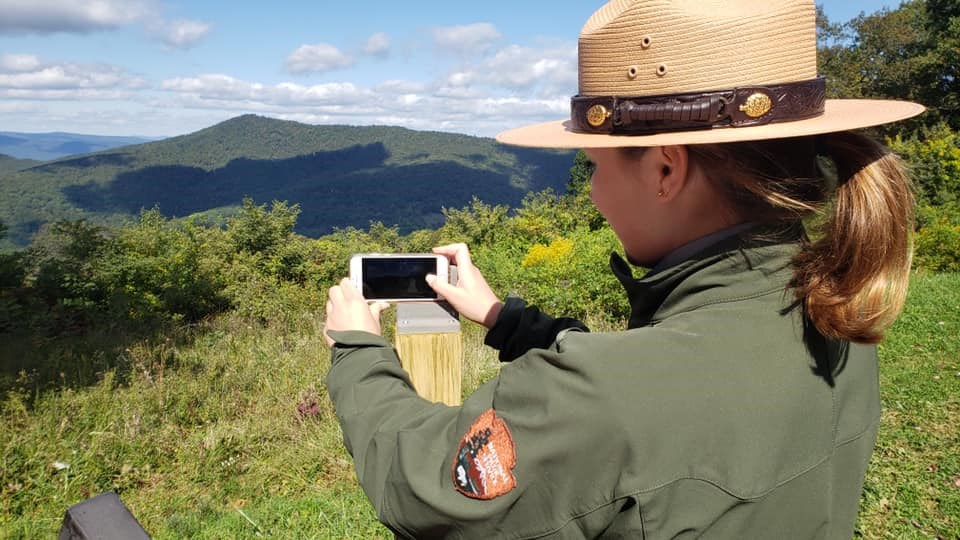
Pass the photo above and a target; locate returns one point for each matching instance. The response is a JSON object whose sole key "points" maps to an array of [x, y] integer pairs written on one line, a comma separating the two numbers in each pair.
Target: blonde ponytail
{"points": [[851, 277]]}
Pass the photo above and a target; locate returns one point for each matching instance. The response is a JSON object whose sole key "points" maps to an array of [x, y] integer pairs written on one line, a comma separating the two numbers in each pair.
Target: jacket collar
{"points": [[763, 253]]}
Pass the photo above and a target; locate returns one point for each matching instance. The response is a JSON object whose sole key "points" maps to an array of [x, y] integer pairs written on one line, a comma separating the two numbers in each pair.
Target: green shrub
{"points": [[266, 299], [937, 243], [257, 230], [65, 292], [933, 157], [543, 216], [476, 224], [12, 273], [571, 276], [167, 270]]}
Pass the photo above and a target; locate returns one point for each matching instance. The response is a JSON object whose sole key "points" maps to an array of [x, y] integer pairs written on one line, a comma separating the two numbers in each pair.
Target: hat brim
{"points": [[839, 115]]}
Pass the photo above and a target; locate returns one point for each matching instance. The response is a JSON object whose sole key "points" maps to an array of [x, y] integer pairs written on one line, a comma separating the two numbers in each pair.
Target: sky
{"points": [[159, 68]]}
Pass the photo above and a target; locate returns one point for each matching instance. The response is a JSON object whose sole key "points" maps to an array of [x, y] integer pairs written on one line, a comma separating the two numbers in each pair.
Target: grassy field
{"points": [[913, 484], [225, 430]]}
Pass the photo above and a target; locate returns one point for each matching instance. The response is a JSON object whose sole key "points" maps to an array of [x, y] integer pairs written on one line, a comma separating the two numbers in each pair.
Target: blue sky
{"points": [[168, 67]]}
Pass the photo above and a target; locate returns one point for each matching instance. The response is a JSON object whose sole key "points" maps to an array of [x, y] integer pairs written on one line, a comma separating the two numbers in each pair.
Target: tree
{"points": [[943, 26], [835, 58], [11, 271], [579, 181], [912, 52], [257, 230], [476, 224], [63, 272], [578, 190]]}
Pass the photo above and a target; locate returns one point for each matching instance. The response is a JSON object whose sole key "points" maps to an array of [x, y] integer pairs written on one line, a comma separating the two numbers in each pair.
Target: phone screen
{"points": [[398, 277]]}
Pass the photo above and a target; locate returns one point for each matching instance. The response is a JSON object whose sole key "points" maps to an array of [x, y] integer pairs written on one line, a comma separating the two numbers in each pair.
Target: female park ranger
{"points": [[742, 399]]}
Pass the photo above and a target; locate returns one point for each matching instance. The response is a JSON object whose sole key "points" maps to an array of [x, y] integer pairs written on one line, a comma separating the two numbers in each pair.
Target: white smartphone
{"points": [[399, 277]]}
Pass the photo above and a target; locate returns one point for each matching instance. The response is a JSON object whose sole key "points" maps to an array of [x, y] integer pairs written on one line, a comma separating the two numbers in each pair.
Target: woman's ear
{"points": [[673, 166]]}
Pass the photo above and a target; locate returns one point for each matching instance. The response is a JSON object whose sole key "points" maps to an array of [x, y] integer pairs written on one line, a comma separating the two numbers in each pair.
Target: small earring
{"points": [[660, 193]]}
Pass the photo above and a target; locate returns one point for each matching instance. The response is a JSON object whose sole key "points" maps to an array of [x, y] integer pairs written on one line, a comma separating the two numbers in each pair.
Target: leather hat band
{"points": [[740, 107]]}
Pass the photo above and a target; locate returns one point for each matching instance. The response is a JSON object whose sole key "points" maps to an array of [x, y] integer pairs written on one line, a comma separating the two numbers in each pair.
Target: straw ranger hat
{"points": [[660, 72]]}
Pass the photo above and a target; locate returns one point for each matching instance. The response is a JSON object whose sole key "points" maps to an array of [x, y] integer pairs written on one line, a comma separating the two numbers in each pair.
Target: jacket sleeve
{"points": [[520, 328], [406, 449]]}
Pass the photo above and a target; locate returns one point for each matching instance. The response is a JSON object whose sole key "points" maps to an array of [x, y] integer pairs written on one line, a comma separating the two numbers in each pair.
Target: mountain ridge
{"points": [[57, 144], [340, 176], [11, 163]]}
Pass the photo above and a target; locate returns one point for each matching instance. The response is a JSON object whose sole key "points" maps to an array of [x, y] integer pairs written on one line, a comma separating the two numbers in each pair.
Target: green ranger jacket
{"points": [[719, 413]]}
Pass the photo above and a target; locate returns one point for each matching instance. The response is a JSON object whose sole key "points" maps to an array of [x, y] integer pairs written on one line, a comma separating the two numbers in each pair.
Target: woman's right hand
{"points": [[471, 296]]}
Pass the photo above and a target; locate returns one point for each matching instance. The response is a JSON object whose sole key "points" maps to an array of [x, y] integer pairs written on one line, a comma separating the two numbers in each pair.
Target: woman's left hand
{"points": [[348, 310]]}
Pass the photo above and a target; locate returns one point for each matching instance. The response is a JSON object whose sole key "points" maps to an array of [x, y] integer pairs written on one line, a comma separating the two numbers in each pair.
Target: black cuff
{"points": [[520, 328], [506, 323]]}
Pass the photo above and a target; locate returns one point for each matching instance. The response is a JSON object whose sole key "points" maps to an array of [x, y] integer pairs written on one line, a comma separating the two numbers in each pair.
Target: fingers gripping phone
{"points": [[398, 277]]}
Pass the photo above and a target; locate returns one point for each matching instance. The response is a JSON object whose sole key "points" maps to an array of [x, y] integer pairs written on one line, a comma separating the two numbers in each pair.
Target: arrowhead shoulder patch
{"points": [[485, 458]]}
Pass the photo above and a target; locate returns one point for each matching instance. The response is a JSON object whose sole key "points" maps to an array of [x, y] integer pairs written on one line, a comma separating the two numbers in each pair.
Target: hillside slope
{"points": [[10, 163], [339, 175]]}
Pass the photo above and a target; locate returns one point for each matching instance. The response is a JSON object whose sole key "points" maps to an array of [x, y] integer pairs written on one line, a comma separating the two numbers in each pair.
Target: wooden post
{"points": [[430, 346]]}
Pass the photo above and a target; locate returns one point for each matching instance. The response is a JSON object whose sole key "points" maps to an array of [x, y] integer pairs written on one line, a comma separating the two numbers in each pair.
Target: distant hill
{"points": [[10, 163], [339, 175], [47, 146]]}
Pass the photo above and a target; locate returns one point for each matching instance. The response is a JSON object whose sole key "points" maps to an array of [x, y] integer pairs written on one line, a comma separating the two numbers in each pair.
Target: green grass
{"points": [[202, 439], [913, 484], [199, 431]]}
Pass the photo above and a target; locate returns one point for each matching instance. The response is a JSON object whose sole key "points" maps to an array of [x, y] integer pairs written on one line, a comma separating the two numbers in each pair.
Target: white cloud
{"points": [[50, 16], [547, 72], [377, 45], [400, 87], [409, 100], [477, 94], [19, 107], [69, 95], [521, 67], [213, 85], [461, 78], [54, 77], [512, 108], [225, 88], [530, 83], [19, 17], [330, 93], [318, 57], [26, 74], [183, 104], [458, 92], [181, 34], [466, 39], [18, 62]]}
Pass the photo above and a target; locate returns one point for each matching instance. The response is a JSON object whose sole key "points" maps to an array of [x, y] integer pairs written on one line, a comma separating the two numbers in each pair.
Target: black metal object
{"points": [[103, 517]]}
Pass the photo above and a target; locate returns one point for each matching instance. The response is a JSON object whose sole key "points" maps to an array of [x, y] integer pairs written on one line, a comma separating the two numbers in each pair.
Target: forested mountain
{"points": [[47, 146], [339, 175], [10, 163]]}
